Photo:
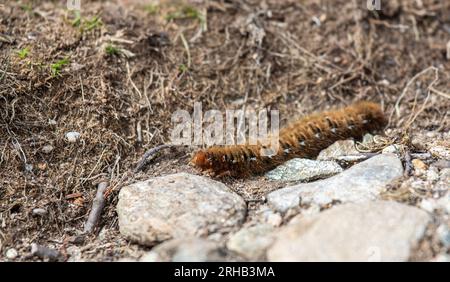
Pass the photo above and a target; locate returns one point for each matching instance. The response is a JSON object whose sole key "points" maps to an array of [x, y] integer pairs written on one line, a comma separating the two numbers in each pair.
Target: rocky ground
{"points": [[371, 211], [84, 96]]}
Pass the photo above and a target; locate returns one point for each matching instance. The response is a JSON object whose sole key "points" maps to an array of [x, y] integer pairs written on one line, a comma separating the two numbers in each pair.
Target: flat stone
{"points": [[374, 231], [251, 242], [177, 206], [185, 250], [393, 149], [304, 170], [360, 183], [338, 150]]}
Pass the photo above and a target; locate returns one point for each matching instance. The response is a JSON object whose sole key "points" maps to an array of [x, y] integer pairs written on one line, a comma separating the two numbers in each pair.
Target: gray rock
{"points": [[72, 136], [362, 182], [39, 212], [341, 150], [185, 250], [393, 149], [304, 170], [47, 149], [251, 242], [267, 215], [374, 231], [176, 206]]}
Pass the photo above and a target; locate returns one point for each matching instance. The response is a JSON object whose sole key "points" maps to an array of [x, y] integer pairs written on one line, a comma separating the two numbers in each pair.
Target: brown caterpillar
{"points": [[304, 138]]}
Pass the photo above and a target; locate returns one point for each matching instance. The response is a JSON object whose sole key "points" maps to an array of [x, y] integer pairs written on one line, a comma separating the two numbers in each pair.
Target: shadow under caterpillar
{"points": [[304, 138]]}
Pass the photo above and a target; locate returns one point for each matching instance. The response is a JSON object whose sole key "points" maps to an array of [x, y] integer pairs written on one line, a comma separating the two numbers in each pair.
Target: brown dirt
{"points": [[258, 54]]}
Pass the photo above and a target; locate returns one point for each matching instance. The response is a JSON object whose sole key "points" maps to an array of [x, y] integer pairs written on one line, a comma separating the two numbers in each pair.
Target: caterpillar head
{"points": [[201, 160]]}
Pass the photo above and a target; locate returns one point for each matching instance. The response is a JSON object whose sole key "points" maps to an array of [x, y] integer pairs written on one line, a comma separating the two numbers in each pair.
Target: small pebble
{"points": [[47, 149], [72, 136], [392, 149], [28, 167], [448, 50], [39, 212], [418, 164], [42, 166], [368, 138], [11, 253]]}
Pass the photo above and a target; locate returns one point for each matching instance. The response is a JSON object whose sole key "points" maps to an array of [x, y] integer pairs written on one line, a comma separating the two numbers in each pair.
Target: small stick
{"points": [[149, 153], [421, 156], [44, 252], [408, 164], [97, 207]]}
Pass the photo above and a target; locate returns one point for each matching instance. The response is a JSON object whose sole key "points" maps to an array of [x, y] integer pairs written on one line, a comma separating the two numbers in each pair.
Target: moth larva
{"points": [[304, 138]]}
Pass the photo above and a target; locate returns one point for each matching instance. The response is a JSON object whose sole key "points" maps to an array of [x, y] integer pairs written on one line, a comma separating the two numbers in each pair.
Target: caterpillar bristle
{"points": [[304, 138]]}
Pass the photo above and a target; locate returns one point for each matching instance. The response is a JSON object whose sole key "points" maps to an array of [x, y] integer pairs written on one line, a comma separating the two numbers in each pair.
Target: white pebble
{"points": [[11, 254], [392, 149], [431, 134], [72, 136], [368, 138], [28, 167], [39, 211], [47, 149]]}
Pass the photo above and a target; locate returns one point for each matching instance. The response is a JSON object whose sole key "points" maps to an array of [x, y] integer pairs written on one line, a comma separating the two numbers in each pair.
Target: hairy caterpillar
{"points": [[304, 138]]}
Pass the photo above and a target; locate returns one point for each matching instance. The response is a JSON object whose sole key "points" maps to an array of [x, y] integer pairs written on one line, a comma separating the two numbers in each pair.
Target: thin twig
{"points": [[438, 92], [149, 153], [186, 46], [397, 103], [97, 207], [408, 163]]}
